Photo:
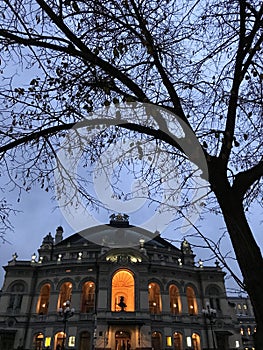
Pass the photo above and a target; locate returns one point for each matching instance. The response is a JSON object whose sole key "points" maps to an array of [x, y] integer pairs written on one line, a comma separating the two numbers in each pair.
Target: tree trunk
{"points": [[246, 249]]}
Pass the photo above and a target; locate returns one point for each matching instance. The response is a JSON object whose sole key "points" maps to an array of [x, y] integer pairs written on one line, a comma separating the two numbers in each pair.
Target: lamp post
{"points": [[65, 312], [210, 314]]}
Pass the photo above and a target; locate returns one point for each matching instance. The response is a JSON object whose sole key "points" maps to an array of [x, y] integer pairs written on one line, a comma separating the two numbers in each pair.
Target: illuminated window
{"points": [[88, 297], [175, 300], [245, 306], [123, 291], [155, 300], [71, 341], [178, 341], [43, 300], [47, 342], [38, 341], [64, 294], [168, 341], [156, 341], [191, 301], [239, 307], [60, 339], [196, 341], [242, 331], [248, 330]]}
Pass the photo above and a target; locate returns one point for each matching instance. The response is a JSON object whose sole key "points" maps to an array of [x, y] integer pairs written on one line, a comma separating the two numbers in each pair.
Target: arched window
{"points": [[155, 300], [64, 294], [38, 342], [43, 299], [84, 341], [175, 300], [88, 297], [16, 296], [178, 341], [122, 291], [191, 301], [156, 341], [213, 294], [196, 341], [60, 339]]}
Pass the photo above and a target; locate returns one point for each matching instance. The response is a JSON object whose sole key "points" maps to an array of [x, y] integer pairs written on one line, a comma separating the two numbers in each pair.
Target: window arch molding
{"points": [[213, 289], [191, 285], [16, 290], [175, 283], [12, 286], [42, 283], [213, 294], [64, 280], [85, 280], [38, 340], [156, 280]]}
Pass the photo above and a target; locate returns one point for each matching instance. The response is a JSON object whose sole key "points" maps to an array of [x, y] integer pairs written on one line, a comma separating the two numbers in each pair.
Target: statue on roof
{"points": [[119, 217], [186, 247]]}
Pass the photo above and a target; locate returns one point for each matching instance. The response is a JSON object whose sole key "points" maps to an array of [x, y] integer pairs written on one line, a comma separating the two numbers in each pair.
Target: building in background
{"points": [[148, 295], [246, 324]]}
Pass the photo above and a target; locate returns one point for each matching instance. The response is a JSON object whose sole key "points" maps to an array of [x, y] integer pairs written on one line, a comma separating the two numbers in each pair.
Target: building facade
{"points": [[246, 324], [150, 295]]}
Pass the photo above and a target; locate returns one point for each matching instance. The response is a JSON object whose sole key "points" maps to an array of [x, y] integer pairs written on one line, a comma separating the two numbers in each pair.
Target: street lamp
{"points": [[210, 314], [65, 312]]}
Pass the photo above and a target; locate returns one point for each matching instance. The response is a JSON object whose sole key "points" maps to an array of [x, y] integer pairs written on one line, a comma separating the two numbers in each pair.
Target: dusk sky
{"points": [[38, 217]]}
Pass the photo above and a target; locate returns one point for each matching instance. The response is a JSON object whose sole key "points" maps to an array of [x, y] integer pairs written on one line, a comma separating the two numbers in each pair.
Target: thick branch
{"points": [[245, 179], [232, 106], [34, 136]]}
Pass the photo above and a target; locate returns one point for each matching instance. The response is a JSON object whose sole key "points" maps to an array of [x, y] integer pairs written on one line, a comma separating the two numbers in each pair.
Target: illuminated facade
{"points": [[146, 296]]}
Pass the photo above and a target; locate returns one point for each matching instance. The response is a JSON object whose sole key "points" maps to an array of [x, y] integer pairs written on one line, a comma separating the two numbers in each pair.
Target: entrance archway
{"points": [[122, 340]]}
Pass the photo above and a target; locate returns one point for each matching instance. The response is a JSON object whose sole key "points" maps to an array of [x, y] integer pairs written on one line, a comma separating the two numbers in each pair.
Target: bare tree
{"points": [[200, 60]]}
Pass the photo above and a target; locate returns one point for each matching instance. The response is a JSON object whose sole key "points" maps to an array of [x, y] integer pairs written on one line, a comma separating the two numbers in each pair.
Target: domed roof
{"points": [[118, 235]]}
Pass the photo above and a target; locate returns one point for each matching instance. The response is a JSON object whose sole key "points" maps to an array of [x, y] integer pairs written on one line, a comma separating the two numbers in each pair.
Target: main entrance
{"points": [[122, 340]]}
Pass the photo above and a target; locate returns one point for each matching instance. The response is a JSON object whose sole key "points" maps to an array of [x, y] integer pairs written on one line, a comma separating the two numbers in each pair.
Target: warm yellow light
{"points": [[169, 341], [71, 341], [47, 342]]}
